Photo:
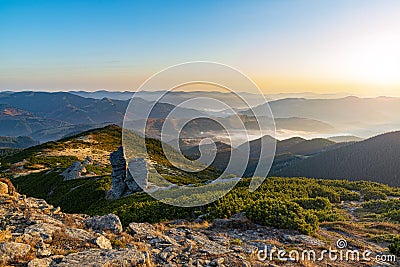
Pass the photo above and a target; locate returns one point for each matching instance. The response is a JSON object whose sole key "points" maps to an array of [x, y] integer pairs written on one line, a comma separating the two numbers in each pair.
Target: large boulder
{"points": [[74, 171], [43, 230], [109, 222]]}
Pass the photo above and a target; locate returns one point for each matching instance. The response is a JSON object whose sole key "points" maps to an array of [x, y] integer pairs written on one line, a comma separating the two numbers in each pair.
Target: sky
{"points": [[285, 46]]}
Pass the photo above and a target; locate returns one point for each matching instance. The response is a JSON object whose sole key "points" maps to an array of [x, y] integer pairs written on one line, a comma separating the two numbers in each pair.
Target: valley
{"points": [[78, 173]]}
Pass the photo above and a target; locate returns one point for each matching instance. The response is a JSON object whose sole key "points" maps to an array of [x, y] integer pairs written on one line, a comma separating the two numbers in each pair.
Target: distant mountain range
{"points": [[67, 107], [375, 159], [49, 116], [176, 97], [125, 95]]}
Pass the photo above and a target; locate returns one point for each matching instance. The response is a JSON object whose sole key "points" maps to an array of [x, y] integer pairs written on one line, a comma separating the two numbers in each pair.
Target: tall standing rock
{"points": [[118, 175], [124, 182]]}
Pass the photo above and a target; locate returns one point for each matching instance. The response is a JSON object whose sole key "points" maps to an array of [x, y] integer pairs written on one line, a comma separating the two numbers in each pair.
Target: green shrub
{"points": [[325, 191], [395, 247], [318, 203], [347, 195], [373, 195], [332, 215], [283, 214]]}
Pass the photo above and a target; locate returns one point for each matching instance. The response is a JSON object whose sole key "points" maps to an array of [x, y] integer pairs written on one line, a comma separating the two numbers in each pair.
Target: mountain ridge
{"points": [[372, 159]]}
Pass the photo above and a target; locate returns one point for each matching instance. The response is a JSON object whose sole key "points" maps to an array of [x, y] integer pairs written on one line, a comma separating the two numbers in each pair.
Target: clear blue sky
{"points": [[283, 45]]}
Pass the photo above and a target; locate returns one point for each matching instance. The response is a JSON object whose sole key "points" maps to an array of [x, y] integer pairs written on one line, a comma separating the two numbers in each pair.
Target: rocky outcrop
{"points": [[13, 251], [3, 188], [35, 234], [118, 175], [124, 180], [137, 174], [6, 187], [109, 222], [104, 258], [74, 171]]}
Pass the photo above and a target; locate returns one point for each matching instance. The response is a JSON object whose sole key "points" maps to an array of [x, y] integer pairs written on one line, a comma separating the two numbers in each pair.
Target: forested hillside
{"points": [[375, 159]]}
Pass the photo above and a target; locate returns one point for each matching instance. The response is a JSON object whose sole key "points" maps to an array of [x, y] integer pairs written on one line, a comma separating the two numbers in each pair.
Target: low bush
{"points": [[283, 214]]}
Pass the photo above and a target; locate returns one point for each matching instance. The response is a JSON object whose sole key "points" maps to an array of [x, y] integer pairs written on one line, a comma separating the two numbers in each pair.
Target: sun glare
{"points": [[375, 60]]}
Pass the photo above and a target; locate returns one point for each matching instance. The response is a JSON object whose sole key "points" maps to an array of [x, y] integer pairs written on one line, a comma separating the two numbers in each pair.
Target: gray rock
{"points": [[220, 239], [74, 171], [12, 251], [167, 256], [109, 222], [209, 247], [78, 234], [123, 180], [118, 175], [142, 229], [103, 242], [103, 258], [137, 174], [42, 230]]}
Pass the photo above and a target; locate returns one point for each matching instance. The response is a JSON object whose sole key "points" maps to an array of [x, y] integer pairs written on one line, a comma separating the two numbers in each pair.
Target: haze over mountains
{"points": [[40, 114], [319, 138], [125, 95], [363, 117]]}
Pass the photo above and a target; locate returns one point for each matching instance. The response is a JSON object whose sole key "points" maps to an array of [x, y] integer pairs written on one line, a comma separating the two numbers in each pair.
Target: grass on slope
{"points": [[299, 203]]}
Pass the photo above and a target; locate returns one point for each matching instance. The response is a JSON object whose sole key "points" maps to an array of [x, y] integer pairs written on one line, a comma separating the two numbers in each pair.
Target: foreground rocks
{"points": [[36, 234], [108, 222], [104, 258]]}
